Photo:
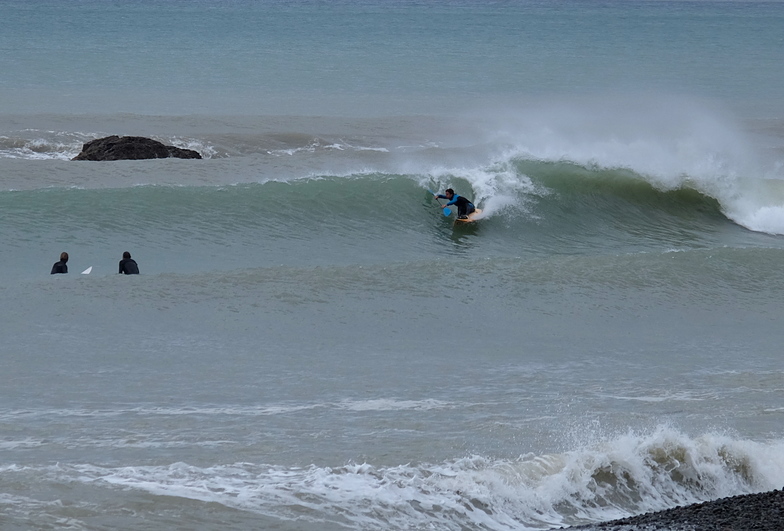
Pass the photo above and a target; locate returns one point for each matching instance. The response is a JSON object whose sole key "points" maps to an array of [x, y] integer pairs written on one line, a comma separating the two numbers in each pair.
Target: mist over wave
{"points": [[672, 143]]}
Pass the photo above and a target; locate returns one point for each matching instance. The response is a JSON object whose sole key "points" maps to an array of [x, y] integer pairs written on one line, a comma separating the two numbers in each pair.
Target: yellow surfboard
{"points": [[472, 217]]}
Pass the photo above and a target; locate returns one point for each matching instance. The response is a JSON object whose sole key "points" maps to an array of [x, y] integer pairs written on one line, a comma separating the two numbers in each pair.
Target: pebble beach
{"points": [[751, 512]]}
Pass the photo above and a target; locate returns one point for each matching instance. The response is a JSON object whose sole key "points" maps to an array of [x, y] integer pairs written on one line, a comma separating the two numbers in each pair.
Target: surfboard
{"points": [[472, 217], [87, 271]]}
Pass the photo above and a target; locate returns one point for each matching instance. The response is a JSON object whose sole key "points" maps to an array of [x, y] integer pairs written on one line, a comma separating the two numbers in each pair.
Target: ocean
{"points": [[311, 344]]}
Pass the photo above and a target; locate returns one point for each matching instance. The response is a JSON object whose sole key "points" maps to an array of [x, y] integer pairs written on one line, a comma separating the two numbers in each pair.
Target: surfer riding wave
{"points": [[464, 206]]}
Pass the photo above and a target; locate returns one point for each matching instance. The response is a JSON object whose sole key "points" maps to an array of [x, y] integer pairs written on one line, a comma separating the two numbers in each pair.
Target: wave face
{"points": [[562, 209]]}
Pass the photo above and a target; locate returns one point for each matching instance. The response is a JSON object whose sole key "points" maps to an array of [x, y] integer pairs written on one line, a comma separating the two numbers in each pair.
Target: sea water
{"points": [[311, 344]]}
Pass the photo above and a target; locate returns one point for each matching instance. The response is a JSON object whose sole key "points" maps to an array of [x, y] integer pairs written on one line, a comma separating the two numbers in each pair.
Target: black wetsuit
{"points": [[129, 266], [59, 267], [464, 206]]}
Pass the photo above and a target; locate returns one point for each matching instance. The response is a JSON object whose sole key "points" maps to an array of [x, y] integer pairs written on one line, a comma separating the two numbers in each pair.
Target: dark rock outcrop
{"points": [[131, 148]]}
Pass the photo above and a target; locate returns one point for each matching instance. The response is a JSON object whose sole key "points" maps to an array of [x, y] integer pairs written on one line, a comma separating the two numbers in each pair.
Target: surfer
{"points": [[128, 265], [60, 267], [464, 206]]}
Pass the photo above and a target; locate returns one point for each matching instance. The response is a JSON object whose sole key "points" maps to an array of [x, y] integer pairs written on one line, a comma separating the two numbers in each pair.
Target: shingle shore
{"points": [[748, 512]]}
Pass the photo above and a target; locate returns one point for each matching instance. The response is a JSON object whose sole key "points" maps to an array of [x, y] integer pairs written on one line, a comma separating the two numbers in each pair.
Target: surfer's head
{"points": [[126, 255], [63, 257], [449, 193]]}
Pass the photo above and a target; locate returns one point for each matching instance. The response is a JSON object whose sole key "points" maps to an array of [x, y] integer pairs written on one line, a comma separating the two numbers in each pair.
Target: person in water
{"points": [[60, 267], [128, 265], [464, 206]]}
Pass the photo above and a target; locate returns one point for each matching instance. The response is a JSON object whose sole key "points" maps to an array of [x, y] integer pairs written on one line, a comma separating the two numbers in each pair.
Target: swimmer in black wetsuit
{"points": [[464, 206], [60, 267], [128, 265]]}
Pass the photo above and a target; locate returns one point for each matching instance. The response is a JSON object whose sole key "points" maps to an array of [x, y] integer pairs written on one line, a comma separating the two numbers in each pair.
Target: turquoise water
{"points": [[311, 344]]}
